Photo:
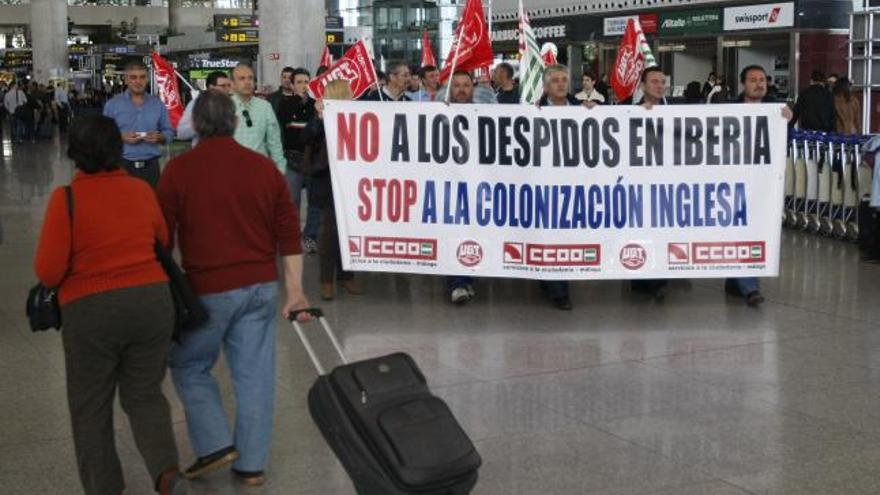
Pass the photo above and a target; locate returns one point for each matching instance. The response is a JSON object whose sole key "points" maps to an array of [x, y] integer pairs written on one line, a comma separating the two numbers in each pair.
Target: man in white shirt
{"points": [[218, 80], [588, 89], [14, 99], [62, 104]]}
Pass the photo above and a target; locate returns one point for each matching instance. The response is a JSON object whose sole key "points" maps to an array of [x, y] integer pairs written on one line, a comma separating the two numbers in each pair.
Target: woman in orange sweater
{"points": [[117, 309]]}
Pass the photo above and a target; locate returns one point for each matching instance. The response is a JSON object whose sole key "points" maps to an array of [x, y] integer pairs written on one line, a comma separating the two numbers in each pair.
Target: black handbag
{"points": [[189, 312], [42, 308]]}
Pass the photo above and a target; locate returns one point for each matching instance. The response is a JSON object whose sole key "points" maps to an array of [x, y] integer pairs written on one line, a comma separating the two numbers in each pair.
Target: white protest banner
{"points": [[558, 193]]}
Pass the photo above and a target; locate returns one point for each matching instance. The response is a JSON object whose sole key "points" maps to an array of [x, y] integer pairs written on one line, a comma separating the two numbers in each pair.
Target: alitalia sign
{"points": [[690, 22]]}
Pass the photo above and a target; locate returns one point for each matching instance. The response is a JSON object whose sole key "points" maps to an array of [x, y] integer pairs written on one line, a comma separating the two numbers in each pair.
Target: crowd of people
{"points": [[258, 158]]}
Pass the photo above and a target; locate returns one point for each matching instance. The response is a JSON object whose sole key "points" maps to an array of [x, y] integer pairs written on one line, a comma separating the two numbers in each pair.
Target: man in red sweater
{"points": [[232, 214]]}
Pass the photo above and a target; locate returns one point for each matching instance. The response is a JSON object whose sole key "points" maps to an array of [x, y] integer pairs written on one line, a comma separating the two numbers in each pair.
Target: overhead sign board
{"points": [[761, 16], [616, 26], [239, 36], [691, 22], [223, 21]]}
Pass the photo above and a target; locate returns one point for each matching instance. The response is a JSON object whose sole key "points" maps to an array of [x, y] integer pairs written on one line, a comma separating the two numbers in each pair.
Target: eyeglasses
{"points": [[247, 118]]}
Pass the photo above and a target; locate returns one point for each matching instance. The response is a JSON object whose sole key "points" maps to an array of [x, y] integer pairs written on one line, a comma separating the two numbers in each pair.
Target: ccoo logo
{"points": [[633, 256], [470, 253]]}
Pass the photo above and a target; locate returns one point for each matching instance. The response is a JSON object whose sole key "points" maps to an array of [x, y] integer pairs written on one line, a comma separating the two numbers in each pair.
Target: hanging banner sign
{"points": [[558, 192], [706, 21]]}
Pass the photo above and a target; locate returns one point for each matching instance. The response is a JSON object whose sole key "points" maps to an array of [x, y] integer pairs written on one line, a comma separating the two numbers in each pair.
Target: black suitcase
{"points": [[392, 436]]}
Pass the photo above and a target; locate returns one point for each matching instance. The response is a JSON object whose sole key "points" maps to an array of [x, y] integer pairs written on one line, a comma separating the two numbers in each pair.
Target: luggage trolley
{"points": [[826, 186], [851, 188], [838, 184], [788, 213], [822, 222], [800, 180], [811, 217]]}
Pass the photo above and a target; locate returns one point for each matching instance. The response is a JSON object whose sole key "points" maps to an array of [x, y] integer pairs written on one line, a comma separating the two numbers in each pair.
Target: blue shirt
{"points": [[151, 116]]}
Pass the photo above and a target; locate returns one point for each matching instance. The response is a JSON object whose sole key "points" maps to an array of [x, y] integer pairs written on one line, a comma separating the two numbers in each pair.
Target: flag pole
{"points": [[454, 63]]}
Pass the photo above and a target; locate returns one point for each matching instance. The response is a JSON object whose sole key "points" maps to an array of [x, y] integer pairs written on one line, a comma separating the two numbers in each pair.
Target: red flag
{"points": [[355, 66], [326, 58], [427, 51], [471, 48], [166, 85], [629, 64]]}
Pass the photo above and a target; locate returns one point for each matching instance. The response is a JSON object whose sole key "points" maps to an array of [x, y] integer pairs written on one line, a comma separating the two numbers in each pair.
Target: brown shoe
{"points": [[211, 462], [327, 292], [171, 482], [352, 288], [249, 478]]}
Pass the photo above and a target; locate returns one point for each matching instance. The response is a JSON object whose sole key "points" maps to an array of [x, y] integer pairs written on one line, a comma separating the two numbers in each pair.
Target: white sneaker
{"points": [[460, 295]]}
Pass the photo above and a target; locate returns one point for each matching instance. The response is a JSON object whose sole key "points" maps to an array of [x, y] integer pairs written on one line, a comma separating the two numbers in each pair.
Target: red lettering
{"points": [[379, 185], [394, 201], [364, 209], [369, 137], [409, 198], [345, 144]]}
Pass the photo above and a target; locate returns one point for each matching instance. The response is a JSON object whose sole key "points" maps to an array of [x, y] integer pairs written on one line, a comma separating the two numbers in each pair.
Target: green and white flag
{"points": [[531, 65]]}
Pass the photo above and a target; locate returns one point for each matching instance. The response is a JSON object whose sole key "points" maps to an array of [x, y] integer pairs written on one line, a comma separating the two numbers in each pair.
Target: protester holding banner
{"points": [[507, 92], [429, 78], [257, 125], [459, 288], [654, 93], [317, 167], [396, 87], [754, 81], [556, 83], [143, 121]]}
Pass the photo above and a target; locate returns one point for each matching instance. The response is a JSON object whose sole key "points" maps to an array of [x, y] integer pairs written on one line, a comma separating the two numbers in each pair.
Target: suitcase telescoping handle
{"points": [[319, 315]]}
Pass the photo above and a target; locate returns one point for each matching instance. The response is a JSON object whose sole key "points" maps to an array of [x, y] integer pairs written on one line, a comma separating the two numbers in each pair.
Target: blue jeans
{"points": [[745, 285], [555, 288], [242, 321], [296, 181]]}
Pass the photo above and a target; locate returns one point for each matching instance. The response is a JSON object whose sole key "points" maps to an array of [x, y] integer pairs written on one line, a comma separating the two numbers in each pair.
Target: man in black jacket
{"points": [[294, 109], [814, 109]]}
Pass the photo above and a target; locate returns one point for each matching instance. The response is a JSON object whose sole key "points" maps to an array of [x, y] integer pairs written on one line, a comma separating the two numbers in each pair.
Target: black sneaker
{"points": [[562, 303], [249, 478], [755, 298], [211, 462]]}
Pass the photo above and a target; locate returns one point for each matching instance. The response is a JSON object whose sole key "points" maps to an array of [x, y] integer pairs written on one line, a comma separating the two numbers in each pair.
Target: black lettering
{"points": [[635, 142], [654, 142], [424, 157], [611, 155], [590, 142], [570, 143], [440, 139], [399, 139], [762, 141], [504, 141], [486, 140], [693, 145], [521, 127], [730, 140], [712, 141], [462, 151], [542, 139]]}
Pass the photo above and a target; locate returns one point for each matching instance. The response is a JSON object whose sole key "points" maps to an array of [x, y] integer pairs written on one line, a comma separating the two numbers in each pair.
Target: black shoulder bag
{"points": [[43, 310], [189, 312]]}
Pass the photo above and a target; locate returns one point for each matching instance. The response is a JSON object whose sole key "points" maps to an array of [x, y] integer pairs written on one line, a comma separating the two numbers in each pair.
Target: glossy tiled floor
{"points": [[699, 395]]}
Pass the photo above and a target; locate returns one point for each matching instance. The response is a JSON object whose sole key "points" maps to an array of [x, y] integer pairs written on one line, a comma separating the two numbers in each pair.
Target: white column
{"points": [[291, 34], [49, 38], [174, 7]]}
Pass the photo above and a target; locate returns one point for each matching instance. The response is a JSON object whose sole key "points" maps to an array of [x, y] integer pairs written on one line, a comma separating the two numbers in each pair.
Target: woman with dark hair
{"points": [[692, 93], [316, 165], [98, 250], [848, 112]]}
